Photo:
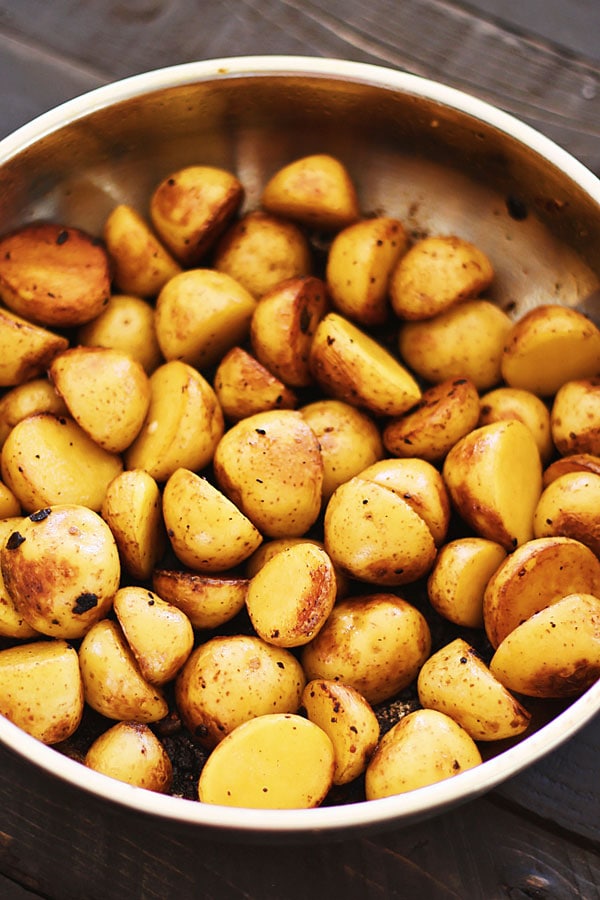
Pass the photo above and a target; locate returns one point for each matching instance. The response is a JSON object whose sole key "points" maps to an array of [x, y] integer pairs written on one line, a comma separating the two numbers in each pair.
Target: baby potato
{"points": [[159, 634], [421, 485], [424, 747], [375, 643], [12, 623], [350, 366], [112, 682], [28, 399], [207, 531], [316, 190], [458, 579], [268, 549], [577, 462], [554, 653], [457, 682], [191, 207], [548, 346], [127, 324], [535, 575], [44, 443], [436, 273], [41, 689], [9, 503], [515, 403], [359, 263], [132, 508], [569, 507], [270, 466], [26, 350], [229, 680], [283, 326], [200, 315], [292, 594], [348, 720], [261, 250], [575, 417], [106, 392], [183, 425], [131, 752], [494, 477], [141, 264], [445, 413], [275, 761], [54, 275], [373, 534], [61, 568], [349, 440], [244, 387], [208, 601], [465, 341]]}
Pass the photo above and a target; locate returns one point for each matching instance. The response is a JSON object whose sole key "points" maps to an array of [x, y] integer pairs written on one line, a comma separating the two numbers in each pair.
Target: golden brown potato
{"points": [[348, 720], [126, 324], [315, 190], [283, 326], [244, 387], [350, 365], [424, 747], [548, 346], [270, 466], [458, 579], [349, 440], [28, 399], [141, 264], [466, 341], [291, 596], [9, 503], [208, 601], [359, 264], [191, 207], [291, 758], [200, 315], [208, 533], [575, 418], [554, 653], [374, 535], [515, 403], [536, 575], [578, 462], [437, 273], [132, 508], [42, 444], [54, 275], [494, 477], [375, 643], [41, 689], [106, 392], [183, 425], [569, 507], [262, 250], [26, 350], [231, 679], [12, 623], [457, 682], [445, 413], [131, 752]]}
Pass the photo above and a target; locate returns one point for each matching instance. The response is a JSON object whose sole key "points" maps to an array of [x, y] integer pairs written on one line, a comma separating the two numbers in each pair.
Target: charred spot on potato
{"points": [[15, 541], [40, 515], [85, 602]]}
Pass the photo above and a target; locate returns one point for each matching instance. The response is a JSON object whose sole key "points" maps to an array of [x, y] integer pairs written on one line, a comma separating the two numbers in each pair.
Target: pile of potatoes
{"points": [[237, 447]]}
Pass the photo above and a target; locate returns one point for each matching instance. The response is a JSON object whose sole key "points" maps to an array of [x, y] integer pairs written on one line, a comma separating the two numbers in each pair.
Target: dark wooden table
{"points": [[538, 836]]}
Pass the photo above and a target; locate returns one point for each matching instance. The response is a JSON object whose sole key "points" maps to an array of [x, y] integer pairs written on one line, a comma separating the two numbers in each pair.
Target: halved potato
{"points": [[516, 403], [127, 324], [28, 399], [207, 600], [141, 264], [458, 579], [244, 386], [575, 417], [132, 508], [569, 506], [26, 350]]}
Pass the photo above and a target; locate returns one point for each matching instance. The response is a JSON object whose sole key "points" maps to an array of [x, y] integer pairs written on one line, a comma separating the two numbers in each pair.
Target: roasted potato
{"points": [[127, 324], [141, 264], [132, 509], [131, 752], [516, 403], [27, 399], [26, 350], [575, 417], [569, 507], [458, 579], [244, 387], [208, 601]]}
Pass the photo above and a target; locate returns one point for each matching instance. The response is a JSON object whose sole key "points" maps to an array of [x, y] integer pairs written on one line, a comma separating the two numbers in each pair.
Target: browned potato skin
{"points": [[578, 462], [26, 350], [126, 324], [191, 207], [514, 403], [208, 601], [244, 387], [575, 417], [536, 575], [283, 326], [444, 414], [141, 265], [261, 250], [28, 399], [130, 752], [569, 506], [54, 275]]}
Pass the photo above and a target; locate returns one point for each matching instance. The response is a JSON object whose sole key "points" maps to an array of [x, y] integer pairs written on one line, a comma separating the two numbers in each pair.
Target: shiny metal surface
{"points": [[437, 159]]}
